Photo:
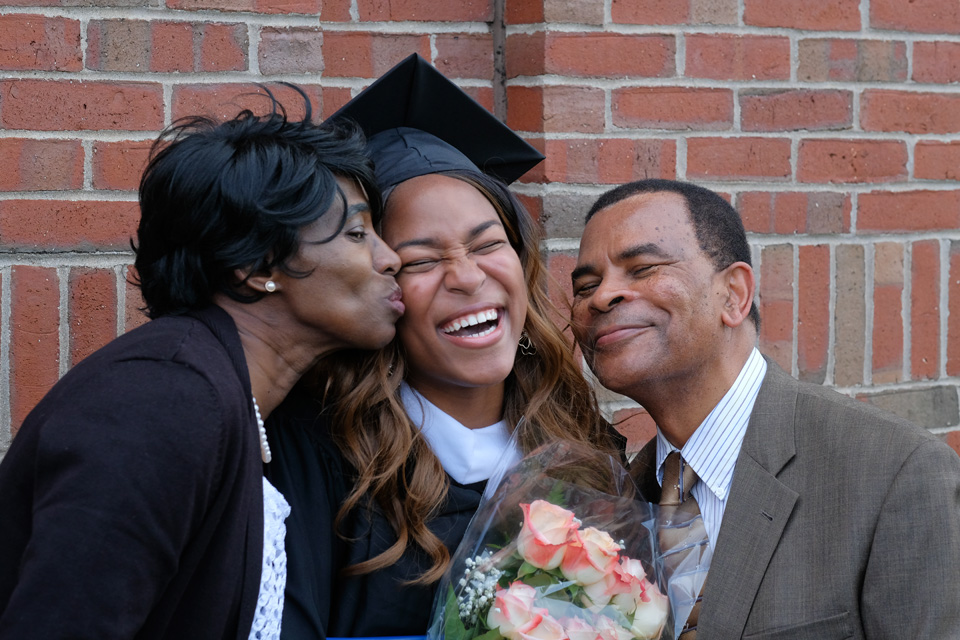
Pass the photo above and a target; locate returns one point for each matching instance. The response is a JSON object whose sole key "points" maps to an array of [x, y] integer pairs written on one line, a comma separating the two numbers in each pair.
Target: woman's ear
{"points": [[740, 285], [261, 282]]}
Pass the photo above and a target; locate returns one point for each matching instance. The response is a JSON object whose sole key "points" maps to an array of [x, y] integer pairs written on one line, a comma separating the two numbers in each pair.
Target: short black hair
{"points": [[716, 223], [220, 196]]}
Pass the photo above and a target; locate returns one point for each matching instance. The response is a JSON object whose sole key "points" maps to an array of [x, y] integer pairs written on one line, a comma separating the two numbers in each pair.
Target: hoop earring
{"points": [[527, 347], [270, 286]]}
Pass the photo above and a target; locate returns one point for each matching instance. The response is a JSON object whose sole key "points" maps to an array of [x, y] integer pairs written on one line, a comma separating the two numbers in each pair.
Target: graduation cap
{"points": [[419, 122]]}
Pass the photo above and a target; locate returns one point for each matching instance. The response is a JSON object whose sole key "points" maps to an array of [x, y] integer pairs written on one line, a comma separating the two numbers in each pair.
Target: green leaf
{"points": [[493, 634], [453, 628], [525, 570]]}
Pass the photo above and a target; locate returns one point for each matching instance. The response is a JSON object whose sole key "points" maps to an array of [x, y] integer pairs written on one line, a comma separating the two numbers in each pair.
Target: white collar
{"points": [[467, 455], [713, 448]]}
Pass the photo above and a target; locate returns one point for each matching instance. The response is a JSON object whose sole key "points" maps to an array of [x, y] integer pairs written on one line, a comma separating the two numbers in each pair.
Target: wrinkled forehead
{"points": [[659, 218]]}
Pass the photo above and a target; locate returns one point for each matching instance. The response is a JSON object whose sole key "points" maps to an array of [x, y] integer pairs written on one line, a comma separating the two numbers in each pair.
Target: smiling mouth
{"points": [[473, 325]]}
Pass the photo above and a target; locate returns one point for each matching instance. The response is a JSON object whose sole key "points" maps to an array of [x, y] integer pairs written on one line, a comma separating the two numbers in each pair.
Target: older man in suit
{"points": [[825, 518]]}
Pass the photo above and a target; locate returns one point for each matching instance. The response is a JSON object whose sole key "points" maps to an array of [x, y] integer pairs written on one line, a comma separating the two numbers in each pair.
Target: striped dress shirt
{"points": [[713, 448]]}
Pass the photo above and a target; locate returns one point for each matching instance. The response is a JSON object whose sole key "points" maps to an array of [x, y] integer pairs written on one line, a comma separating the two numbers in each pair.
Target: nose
{"points": [[385, 259], [608, 294], [463, 274]]}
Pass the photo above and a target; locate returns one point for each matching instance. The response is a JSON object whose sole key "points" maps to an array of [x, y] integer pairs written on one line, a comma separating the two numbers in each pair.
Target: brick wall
{"points": [[833, 126]]}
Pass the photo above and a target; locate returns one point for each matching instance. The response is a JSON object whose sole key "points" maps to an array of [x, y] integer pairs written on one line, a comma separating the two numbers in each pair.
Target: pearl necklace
{"points": [[264, 445]]}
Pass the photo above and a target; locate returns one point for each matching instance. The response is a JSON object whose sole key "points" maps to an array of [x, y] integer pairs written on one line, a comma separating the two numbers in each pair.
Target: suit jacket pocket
{"points": [[836, 627]]}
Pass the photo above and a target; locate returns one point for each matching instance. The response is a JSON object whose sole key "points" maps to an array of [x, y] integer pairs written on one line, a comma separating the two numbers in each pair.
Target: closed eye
{"points": [[488, 247]]}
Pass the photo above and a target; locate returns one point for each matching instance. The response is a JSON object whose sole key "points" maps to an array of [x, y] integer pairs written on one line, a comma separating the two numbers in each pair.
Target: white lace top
{"points": [[273, 576]]}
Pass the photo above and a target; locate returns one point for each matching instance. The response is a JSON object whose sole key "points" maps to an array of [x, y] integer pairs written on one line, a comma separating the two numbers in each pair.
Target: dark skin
{"points": [[655, 319]]}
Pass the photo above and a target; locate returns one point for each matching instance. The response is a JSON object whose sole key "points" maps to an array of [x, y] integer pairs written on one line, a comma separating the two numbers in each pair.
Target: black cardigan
{"points": [[131, 498]]}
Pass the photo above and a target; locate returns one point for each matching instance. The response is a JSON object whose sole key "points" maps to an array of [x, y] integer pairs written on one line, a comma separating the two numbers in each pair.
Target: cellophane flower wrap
{"points": [[561, 549]]}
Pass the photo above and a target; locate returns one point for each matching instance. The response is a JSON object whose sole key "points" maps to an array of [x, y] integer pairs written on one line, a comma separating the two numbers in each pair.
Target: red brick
{"points": [[291, 50], [465, 55], [559, 266], [168, 42], [927, 16], [525, 108], [333, 11], [67, 225], [52, 105], [308, 7], [936, 62], [925, 310], [849, 60], [119, 165], [332, 99], [38, 43], [40, 165], [523, 12], [573, 109], [426, 10], [953, 311], [813, 312], [650, 11], [887, 313], [93, 310], [813, 15], [850, 315], [357, 54], [795, 110], [776, 304], [787, 213], [738, 158], [934, 160], [728, 56], [526, 54], [118, 45], [223, 47], [680, 108], [608, 55], [908, 211], [636, 426], [609, 161], [573, 11], [852, 161], [887, 110], [223, 101], [34, 338], [134, 304]]}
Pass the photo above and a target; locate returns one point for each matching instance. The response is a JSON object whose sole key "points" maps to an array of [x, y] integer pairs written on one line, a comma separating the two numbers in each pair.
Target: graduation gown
{"points": [[313, 476]]}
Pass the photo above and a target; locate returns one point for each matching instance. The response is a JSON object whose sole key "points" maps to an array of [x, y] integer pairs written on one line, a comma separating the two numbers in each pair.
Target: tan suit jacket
{"points": [[842, 522]]}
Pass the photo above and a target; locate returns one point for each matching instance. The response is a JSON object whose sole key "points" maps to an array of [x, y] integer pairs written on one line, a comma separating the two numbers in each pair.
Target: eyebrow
{"points": [[647, 248], [432, 242]]}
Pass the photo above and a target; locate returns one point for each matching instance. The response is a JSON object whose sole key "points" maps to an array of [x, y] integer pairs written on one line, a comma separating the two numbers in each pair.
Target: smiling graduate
{"points": [[384, 458]]}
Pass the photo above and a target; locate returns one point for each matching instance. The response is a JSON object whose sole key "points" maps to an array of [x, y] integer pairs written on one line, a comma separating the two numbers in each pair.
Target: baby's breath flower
{"points": [[479, 586]]}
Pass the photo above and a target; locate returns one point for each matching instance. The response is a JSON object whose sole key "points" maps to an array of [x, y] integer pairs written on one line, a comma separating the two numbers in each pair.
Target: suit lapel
{"points": [[756, 513]]}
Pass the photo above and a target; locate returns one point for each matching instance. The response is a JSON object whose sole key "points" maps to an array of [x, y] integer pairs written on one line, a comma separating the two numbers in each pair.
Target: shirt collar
{"points": [[467, 455], [713, 448]]}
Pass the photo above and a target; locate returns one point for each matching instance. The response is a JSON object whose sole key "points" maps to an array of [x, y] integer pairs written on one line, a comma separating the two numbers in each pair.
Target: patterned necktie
{"points": [[681, 529]]}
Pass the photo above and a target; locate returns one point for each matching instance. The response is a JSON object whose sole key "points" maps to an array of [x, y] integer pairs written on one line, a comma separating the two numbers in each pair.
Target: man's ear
{"points": [[740, 287]]}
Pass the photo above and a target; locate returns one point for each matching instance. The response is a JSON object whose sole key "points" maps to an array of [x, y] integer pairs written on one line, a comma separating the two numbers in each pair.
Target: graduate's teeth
{"points": [[472, 320]]}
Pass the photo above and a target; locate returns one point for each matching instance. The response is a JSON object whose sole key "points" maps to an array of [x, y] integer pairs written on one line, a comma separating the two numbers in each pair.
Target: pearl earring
{"points": [[270, 286]]}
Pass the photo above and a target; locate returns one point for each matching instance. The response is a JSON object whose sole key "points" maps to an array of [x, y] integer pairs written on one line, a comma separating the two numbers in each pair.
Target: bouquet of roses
{"points": [[560, 550]]}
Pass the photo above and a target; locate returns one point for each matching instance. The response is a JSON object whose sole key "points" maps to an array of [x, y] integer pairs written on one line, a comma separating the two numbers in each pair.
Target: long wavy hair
{"points": [[395, 467]]}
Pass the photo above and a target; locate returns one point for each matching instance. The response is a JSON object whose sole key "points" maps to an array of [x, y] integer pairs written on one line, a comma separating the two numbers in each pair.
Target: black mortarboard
{"points": [[419, 122]]}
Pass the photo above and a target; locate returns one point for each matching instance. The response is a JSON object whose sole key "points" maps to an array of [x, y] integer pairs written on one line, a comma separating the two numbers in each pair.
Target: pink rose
{"points": [[607, 629], [513, 610], [638, 597], [579, 629], [546, 531], [590, 557], [548, 628]]}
